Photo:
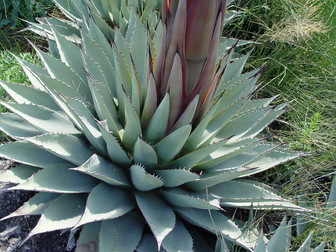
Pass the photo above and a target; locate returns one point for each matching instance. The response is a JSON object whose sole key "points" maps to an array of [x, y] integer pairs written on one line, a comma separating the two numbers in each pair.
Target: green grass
{"points": [[301, 68]]}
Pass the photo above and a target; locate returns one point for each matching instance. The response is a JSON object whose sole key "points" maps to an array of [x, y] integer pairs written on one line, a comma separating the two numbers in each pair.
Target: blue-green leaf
{"points": [[106, 202], [144, 154], [30, 154], [121, 234], [18, 174], [178, 239], [104, 170], [153, 209], [58, 180], [16, 127], [215, 222], [172, 144], [89, 237], [62, 213], [142, 180], [176, 177], [35, 205], [68, 147], [42, 118]]}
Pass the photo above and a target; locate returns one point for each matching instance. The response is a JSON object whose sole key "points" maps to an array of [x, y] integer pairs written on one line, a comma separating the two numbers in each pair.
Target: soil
{"points": [[13, 231]]}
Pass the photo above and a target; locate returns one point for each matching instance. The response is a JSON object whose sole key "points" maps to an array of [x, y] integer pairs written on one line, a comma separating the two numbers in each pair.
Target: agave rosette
{"points": [[142, 140]]}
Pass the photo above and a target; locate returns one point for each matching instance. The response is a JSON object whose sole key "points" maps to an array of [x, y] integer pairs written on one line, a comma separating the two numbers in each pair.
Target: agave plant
{"points": [[143, 141]]}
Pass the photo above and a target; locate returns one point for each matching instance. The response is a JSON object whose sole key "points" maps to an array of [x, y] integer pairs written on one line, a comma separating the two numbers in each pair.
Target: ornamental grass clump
{"points": [[142, 133]]}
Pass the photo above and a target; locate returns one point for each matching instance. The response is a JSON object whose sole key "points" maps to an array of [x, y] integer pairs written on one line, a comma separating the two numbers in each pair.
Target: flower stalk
{"points": [[186, 65]]}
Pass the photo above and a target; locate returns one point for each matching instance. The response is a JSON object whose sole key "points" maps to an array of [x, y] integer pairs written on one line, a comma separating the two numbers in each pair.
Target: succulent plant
{"points": [[141, 133]]}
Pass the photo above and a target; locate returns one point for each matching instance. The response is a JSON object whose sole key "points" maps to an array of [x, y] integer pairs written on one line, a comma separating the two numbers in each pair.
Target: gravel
{"points": [[13, 231]]}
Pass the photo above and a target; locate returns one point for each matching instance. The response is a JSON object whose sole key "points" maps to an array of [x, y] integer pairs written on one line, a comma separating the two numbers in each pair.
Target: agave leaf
{"points": [[150, 103], [175, 89], [29, 95], [97, 6], [81, 8], [53, 85], [121, 234], [256, 104], [103, 101], [181, 198], [89, 237], [36, 205], [42, 118], [108, 172], [138, 46], [99, 57], [29, 69], [261, 156], [133, 125], [245, 83], [221, 245], [153, 208], [15, 127], [188, 114], [172, 144], [69, 53], [136, 89], [280, 241], [99, 208], [242, 167], [58, 70], [249, 194], [116, 153], [142, 180], [68, 9], [227, 151], [178, 239], [260, 246], [105, 107], [272, 158], [158, 124], [321, 247], [149, 8], [62, 213], [105, 28], [200, 242], [331, 203], [57, 180], [104, 43], [144, 154], [82, 117], [147, 243], [255, 121], [305, 246], [176, 177], [155, 44], [195, 138], [68, 147], [265, 121], [214, 222], [191, 159], [18, 174], [223, 116], [123, 62], [235, 68], [67, 29], [30, 154]]}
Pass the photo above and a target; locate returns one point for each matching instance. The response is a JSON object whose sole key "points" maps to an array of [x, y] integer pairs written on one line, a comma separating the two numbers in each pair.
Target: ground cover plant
{"points": [[130, 129]]}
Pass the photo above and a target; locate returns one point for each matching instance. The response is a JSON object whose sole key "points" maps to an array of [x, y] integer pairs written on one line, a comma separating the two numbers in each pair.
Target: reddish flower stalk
{"points": [[186, 65]]}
